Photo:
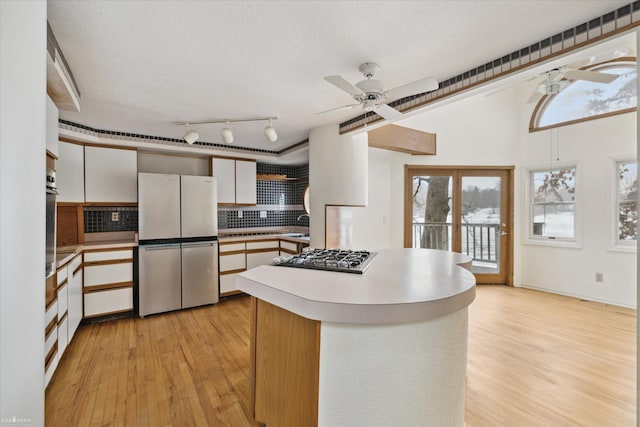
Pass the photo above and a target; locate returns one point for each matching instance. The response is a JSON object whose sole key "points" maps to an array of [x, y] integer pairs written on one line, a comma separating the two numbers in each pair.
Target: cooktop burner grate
{"points": [[346, 261]]}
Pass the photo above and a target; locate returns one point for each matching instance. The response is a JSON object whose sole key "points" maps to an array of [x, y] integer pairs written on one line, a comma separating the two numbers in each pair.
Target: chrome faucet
{"points": [[301, 216]]}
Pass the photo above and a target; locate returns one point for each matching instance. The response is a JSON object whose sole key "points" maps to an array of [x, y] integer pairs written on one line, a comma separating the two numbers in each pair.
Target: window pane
{"points": [[628, 221], [432, 212], [554, 186], [583, 98], [628, 181], [555, 220]]}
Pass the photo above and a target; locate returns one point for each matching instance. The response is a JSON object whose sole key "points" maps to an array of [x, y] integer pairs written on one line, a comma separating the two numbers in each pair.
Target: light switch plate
{"points": [[239, 214], [263, 214]]}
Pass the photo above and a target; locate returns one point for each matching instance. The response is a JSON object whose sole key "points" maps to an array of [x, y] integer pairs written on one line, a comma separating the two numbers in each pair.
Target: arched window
{"points": [[584, 100]]}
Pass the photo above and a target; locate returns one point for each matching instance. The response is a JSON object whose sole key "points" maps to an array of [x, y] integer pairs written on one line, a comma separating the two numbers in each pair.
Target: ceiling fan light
{"points": [[191, 137], [270, 133], [227, 135]]}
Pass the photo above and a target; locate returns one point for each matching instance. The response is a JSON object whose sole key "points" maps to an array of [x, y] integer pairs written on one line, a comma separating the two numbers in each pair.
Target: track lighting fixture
{"points": [[227, 135], [191, 137], [270, 132]]}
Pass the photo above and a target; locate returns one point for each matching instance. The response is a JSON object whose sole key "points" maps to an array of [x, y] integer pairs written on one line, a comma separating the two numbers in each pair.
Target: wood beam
{"points": [[405, 140]]}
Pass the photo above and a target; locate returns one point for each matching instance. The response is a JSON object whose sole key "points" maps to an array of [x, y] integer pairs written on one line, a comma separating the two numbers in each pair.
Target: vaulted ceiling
{"points": [[142, 65]]}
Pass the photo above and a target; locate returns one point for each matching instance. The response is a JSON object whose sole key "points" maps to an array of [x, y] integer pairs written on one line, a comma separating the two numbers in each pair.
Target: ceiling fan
{"points": [[370, 93], [554, 81]]}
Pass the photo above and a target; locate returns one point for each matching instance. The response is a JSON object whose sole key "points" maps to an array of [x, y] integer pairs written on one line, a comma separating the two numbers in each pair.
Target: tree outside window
{"points": [[552, 200], [627, 202]]}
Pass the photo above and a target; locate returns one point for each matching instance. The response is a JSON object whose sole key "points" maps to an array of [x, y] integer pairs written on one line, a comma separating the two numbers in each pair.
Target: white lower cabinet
{"points": [[227, 283], [261, 258], [74, 294], [63, 334], [108, 302], [51, 341], [108, 282]]}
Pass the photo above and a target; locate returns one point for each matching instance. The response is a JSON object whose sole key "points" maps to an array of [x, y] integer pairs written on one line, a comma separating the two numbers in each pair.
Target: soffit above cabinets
{"points": [[61, 85]]}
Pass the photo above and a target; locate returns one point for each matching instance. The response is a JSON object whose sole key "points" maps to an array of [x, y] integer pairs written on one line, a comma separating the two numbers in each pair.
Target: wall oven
{"points": [[51, 222]]}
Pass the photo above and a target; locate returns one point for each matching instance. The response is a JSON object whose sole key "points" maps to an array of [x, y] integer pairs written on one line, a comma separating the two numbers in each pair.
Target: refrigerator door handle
{"points": [[160, 247], [197, 245]]}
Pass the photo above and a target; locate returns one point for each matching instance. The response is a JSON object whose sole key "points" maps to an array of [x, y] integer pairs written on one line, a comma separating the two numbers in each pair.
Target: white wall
{"points": [[23, 39], [493, 130]]}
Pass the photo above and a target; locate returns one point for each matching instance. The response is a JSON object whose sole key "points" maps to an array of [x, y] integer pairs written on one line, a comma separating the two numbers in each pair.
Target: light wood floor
{"points": [[535, 359]]}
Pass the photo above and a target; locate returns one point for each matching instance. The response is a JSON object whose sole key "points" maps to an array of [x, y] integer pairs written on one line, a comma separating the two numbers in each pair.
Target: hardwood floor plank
{"points": [[535, 359]]}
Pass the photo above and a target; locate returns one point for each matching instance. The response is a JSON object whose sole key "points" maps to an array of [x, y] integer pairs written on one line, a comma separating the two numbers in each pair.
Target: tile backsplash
{"points": [[100, 219], [280, 200]]}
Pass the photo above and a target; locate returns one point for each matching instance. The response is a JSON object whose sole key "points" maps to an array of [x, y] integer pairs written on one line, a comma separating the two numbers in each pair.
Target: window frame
{"points": [[616, 244], [528, 237], [542, 104]]}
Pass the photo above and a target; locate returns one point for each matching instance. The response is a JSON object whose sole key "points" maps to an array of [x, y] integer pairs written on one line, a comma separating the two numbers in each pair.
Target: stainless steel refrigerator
{"points": [[178, 243]]}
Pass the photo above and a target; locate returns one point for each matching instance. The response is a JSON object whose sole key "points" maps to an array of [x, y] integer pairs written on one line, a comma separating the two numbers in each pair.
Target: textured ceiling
{"points": [[141, 65]]}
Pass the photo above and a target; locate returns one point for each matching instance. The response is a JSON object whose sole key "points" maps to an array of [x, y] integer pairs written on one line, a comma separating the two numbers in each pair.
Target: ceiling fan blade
{"points": [[387, 112], [592, 76], [341, 83], [343, 107], [421, 86]]}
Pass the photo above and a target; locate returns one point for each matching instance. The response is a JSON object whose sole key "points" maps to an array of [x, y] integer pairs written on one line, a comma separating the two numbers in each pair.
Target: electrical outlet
{"points": [[115, 216], [263, 214], [240, 214], [599, 277]]}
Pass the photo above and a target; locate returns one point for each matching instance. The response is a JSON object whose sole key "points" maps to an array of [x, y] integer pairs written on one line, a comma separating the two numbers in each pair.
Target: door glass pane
{"points": [[480, 222], [432, 212]]}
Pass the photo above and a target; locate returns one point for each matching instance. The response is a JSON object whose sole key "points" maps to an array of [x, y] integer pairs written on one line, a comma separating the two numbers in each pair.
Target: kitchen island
{"points": [[387, 347]]}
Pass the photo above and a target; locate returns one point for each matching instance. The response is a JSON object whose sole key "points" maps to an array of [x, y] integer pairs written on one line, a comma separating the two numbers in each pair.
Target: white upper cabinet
{"points": [[245, 183], [225, 172], [52, 127], [236, 181], [70, 173], [111, 175]]}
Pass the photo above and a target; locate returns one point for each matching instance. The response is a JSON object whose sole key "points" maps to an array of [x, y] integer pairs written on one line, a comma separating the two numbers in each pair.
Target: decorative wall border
{"points": [[136, 137]]}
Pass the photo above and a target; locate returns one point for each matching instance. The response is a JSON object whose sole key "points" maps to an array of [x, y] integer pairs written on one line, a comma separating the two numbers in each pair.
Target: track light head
{"points": [[227, 135], [270, 132], [191, 137]]}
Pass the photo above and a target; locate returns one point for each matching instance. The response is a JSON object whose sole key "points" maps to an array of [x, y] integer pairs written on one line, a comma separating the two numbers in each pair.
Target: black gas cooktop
{"points": [[345, 261]]}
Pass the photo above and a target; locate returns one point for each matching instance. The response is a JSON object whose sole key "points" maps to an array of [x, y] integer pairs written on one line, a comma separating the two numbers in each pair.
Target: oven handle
{"points": [[52, 191]]}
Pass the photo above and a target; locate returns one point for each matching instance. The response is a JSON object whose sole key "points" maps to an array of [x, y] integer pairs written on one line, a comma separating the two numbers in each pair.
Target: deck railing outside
{"points": [[480, 241]]}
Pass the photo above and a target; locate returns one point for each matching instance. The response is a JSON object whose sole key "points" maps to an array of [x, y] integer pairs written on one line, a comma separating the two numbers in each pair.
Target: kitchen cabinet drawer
{"points": [[63, 335], [289, 246], [51, 117], [50, 339], [261, 258], [108, 302], [108, 255], [111, 175], [74, 264], [95, 275], [228, 284], [232, 247], [51, 313], [267, 244], [232, 262], [61, 275], [62, 300], [51, 363]]}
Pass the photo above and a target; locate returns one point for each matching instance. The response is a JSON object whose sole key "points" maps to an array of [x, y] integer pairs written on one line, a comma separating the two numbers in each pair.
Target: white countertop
{"points": [[64, 254], [400, 285]]}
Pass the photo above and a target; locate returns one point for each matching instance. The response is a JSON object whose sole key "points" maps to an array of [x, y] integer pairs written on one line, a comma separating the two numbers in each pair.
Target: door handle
{"points": [[197, 245], [503, 233]]}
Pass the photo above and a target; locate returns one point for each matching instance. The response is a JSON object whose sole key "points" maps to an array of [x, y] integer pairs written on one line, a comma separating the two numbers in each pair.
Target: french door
{"points": [[467, 210]]}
